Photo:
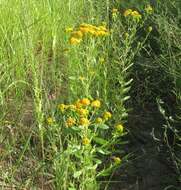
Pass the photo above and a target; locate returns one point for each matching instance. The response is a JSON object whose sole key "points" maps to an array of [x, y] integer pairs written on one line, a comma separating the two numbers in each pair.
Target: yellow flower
{"points": [[96, 104], [84, 121], [119, 127], [101, 33], [149, 9], [77, 34], [99, 120], [85, 101], [117, 160], [70, 29], [84, 29], [83, 111], [107, 115], [85, 141], [127, 12], [150, 28], [84, 25], [70, 121], [78, 104], [103, 28], [136, 14], [50, 120], [62, 107], [74, 41], [82, 78]]}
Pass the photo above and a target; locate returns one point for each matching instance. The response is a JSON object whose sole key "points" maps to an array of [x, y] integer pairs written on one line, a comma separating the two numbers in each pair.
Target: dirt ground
{"points": [[149, 168]]}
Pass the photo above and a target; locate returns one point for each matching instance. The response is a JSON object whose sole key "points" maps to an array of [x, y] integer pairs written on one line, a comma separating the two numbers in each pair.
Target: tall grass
{"points": [[40, 68], [32, 70]]}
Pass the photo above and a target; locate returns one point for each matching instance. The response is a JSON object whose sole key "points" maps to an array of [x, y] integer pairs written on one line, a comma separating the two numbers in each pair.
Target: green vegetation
{"points": [[73, 76]]}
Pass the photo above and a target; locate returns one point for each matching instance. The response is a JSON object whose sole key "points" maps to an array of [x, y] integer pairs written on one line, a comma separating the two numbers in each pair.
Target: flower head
{"points": [[136, 15], [74, 41], [85, 141], [107, 115], [78, 104], [119, 128], [98, 120], [83, 112], [62, 107], [77, 34], [96, 104], [85, 101], [127, 12], [70, 121], [50, 120], [84, 121], [116, 159]]}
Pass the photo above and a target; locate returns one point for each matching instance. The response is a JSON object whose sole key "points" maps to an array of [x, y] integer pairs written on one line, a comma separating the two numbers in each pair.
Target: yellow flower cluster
{"points": [[84, 28], [94, 30], [70, 121], [81, 109], [135, 14], [50, 120]]}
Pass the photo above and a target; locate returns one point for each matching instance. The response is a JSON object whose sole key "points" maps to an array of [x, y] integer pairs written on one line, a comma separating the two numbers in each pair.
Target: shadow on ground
{"points": [[149, 169]]}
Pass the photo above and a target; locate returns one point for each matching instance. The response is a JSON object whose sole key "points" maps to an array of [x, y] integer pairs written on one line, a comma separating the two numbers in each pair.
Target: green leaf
{"points": [[100, 141], [125, 90], [106, 171], [97, 161], [128, 83], [75, 128], [71, 188], [77, 174], [91, 167], [104, 152], [103, 126], [126, 98]]}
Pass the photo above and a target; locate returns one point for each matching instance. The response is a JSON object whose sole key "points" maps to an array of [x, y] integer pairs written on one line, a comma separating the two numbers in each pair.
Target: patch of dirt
{"points": [[149, 169]]}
